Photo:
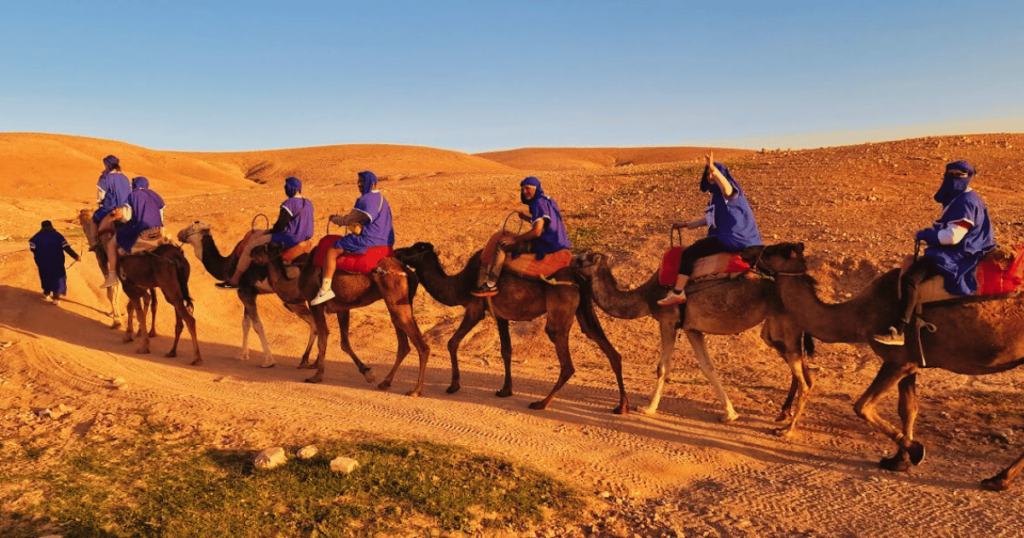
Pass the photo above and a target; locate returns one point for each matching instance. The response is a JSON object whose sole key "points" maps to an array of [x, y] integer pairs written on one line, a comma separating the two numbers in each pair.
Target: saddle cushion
{"points": [[726, 263], [1001, 271], [241, 244], [149, 240], [527, 264], [298, 250], [361, 264]]}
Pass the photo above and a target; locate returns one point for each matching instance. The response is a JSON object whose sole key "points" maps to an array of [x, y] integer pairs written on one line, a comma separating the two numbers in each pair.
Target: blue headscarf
{"points": [[140, 183], [292, 186], [958, 176], [110, 162], [369, 181], [532, 181], [709, 185]]}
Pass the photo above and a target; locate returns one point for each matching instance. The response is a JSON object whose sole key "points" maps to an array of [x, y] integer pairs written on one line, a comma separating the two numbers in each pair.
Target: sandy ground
{"points": [[855, 207]]}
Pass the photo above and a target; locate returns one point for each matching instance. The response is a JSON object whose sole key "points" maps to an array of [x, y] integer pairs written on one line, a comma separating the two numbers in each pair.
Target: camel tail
{"points": [[808, 344], [183, 271]]}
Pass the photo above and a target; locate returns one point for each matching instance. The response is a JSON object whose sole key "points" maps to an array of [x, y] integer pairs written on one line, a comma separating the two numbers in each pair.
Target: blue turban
{"points": [[140, 183], [369, 181], [292, 186], [532, 181], [958, 175], [710, 185], [110, 162]]}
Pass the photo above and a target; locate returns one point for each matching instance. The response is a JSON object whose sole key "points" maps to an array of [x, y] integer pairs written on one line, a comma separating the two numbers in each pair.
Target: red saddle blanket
{"points": [[352, 263], [1002, 271], [527, 265], [288, 256], [724, 263]]}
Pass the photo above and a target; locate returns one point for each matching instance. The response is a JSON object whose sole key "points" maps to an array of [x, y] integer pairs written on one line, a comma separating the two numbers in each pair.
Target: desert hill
{"points": [[557, 159]]}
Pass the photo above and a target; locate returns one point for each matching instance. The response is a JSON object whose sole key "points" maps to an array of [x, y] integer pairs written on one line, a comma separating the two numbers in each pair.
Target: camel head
{"points": [[587, 262], [413, 255], [262, 254], [785, 258], [193, 232]]}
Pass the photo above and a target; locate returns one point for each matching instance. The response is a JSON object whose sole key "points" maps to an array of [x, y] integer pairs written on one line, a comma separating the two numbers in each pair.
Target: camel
{"points": [[390, 282], [714, 307], [971, 336], [520, 300], [253, 282], [113, 292]]}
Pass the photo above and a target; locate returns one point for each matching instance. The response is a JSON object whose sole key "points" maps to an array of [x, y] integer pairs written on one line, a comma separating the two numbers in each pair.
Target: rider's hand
{"points": [[78, 259], [680, 225], [507, 242], [525, 216]]}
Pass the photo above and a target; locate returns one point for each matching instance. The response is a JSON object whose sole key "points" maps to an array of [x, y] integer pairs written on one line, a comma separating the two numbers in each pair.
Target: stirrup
{"points": [[322, 297], [893, 338], [673, 298]]}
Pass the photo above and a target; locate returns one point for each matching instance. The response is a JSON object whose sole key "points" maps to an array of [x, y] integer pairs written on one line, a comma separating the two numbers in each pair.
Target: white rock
{"points": [[344, 465], [271, 458], [307, 452]]}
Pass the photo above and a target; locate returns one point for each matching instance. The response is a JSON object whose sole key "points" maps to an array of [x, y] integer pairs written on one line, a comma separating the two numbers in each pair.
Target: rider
{"points": [[147, 212], [112, 195], [373, 212], [730, 222], [294, 225], [546, 235], [48, 247], [957, 242]]}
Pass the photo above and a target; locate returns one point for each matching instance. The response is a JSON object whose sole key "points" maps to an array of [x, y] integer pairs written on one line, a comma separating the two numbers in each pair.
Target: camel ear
{"points": [[792, 254]]}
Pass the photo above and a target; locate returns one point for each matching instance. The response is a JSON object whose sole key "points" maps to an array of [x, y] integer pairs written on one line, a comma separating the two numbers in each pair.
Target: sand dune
{"points": [[557, 159]]}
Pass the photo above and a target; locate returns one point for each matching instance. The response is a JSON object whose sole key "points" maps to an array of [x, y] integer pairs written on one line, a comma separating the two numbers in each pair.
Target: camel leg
{"points": [[190, 322], [129, 327], [668, 344], [403, 350], [707, 367], [474, 313], [114, 297], [908, 409], [1001, 481], [141, 315], [307, 316], [243, 355], [405, 322], [614, 358], [321, 343], [146, 300], [505, 337], [346, 346], [558, 333], [152, 326], [797, 401], [888, 375], [178, 325]]}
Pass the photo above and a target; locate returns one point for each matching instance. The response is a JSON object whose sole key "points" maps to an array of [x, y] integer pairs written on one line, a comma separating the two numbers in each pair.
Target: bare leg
{"points": [[700, 350]]}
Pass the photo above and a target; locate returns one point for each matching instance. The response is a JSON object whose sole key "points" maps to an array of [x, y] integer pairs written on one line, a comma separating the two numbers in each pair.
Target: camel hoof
{"points": [[305, 366], [368, 376], [197, 362], [539, 405], [128, 339], [504, 393], [170, 354], [454, 388], [268, 365], [152, 334], [384, 385], [115, 325], [647, 410], [996, 483], [315, 379], [242, 357], [413, 393], [728, 417], [621, 410], [916, 451], [142, 351], [784, 415], [898, 463], [784, 433]]}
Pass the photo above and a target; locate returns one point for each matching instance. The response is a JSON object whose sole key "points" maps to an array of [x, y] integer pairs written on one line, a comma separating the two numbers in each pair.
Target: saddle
{"points": [[1001, 271], [527, 265], [288, 256], [356, 264], [149, 240], [716, 266]]}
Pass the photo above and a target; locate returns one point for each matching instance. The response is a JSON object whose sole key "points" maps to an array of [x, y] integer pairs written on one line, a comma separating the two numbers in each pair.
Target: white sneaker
{"points": [[673, 298], [111, 280], [322, 297]]}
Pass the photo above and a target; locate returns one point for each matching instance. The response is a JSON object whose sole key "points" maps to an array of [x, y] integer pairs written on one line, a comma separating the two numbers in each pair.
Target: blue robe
{"points": [[146, 206], [48, 248], [378, 231], [730, 220], [554, 236], [116, 190], [300, 227], [956, 263]]}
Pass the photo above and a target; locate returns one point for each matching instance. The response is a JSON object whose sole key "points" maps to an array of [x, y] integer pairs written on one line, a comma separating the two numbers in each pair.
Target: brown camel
{"points": [[520, 300], [971, 336], [255, 281], [713, 307], [165, 268], [113, 292], [390, 281]]}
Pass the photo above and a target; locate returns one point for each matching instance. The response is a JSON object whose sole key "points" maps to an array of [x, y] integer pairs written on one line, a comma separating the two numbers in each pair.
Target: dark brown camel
{"points": [[519, 300], [714, 307], [165, 268], [972, 337], [390, 281], [113, 292], [255, 281]]}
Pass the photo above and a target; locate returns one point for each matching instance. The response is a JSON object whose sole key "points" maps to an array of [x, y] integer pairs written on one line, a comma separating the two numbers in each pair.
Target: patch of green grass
{"points": [[584, 237], [142, 487]]}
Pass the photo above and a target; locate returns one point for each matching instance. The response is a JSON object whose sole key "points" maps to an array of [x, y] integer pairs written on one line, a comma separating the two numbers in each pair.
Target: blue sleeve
{"points": [[370, 204], [540, 210], [964, 208]]}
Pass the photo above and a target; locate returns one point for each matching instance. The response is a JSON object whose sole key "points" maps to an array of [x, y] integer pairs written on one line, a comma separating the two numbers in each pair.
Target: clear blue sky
{"points": [[484, 75]]}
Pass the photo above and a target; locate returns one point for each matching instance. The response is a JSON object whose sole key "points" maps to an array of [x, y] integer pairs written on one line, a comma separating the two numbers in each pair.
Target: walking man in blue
{"points": [[48, 248], [957, 242]]}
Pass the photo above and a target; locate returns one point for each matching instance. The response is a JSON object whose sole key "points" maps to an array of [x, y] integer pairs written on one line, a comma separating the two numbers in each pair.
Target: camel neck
{"points": [[856, 320], [449, 290], [618, 303], [214, 263]]}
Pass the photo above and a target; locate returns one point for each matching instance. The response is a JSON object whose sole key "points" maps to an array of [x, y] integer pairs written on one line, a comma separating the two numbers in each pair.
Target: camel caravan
{"points": [[725, 283]]}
